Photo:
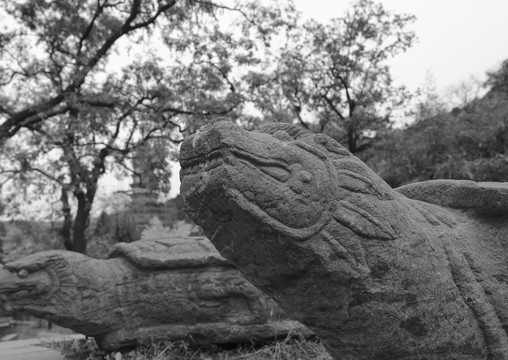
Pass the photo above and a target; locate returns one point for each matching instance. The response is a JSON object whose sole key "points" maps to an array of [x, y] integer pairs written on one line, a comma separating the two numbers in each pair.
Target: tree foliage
{"points": [[466, 92], [427, 101], [335, 77], [498, 79], [89, 87], [92, 86], [52, 51]]}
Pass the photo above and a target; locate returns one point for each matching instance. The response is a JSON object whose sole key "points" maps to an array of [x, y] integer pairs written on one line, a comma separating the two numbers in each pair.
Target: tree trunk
{"points": [[352, 140], [84, 195], [67, 222], [82, 218], [81, 222]]}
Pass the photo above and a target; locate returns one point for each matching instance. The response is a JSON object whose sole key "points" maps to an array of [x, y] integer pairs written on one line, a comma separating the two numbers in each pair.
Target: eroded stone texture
{"points": [[170, 289], [373, 272]]}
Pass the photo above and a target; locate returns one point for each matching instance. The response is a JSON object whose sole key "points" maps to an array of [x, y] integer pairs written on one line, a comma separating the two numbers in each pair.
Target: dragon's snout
{"points": [[21, 286]]}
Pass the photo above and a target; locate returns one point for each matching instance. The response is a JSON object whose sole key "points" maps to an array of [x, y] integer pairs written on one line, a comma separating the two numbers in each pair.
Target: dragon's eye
{"points": [[22, 274]]}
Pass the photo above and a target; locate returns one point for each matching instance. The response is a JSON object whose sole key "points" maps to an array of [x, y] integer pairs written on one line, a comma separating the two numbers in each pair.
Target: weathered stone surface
{"points": [[171, 289], [375, 274], [462, 194]]}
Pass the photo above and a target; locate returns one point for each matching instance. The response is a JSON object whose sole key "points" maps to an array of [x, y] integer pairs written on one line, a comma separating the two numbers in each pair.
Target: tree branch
{"points": [[42, 111], [223, 74], [89, 28], [31, 116], [240, 11], [333, 107], [150, 21], [42, 172]]}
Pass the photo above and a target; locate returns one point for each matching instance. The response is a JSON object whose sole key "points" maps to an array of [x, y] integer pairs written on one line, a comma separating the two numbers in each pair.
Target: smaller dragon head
{"points": [[51, 284], [26, 283]]}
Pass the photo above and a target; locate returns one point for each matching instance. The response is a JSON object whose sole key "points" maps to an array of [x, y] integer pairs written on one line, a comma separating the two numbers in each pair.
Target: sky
{"points": [[456, 39]]}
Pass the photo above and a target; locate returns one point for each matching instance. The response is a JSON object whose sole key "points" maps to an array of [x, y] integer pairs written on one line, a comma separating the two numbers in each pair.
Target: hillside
{"points": [[468, 143]]}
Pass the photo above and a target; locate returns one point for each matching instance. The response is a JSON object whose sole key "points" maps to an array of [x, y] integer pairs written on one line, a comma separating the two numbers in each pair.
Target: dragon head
{"points": [[277, 180], [280, 182]]}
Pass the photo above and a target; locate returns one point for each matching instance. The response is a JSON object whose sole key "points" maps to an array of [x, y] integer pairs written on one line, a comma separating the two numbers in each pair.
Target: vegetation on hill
{"points": [[470, 143]]}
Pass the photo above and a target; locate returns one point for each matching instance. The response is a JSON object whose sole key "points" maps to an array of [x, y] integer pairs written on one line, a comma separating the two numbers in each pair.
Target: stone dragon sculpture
{"points": [[418, 272], [148, 290]]}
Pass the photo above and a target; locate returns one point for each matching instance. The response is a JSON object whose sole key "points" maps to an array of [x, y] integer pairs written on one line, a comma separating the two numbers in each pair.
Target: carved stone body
{"points": [[374, 273], [171, 289]]}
